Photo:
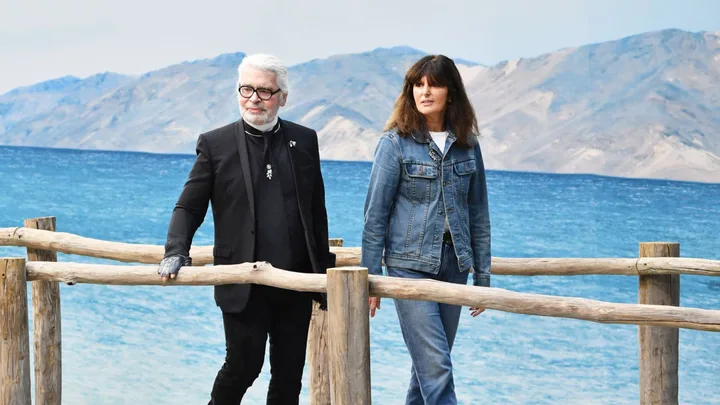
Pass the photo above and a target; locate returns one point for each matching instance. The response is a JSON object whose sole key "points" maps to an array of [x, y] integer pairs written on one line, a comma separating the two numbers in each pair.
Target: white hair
{"points": [[267, 63]]}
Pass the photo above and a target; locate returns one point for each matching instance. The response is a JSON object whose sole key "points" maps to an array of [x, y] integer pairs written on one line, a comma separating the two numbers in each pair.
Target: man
{"points": [[263, 177]]}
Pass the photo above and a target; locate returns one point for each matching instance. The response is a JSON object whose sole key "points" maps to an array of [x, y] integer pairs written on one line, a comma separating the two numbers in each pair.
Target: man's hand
{"points": [[321, 298], [170, 266], [476, 311], [374, 304]]}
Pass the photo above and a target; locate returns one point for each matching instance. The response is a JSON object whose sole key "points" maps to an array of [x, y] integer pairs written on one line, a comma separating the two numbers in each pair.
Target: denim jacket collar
{"points": [[423, 136]]}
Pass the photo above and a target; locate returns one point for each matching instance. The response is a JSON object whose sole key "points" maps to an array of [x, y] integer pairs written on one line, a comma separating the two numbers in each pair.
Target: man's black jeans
{"points": [[283, 315]]}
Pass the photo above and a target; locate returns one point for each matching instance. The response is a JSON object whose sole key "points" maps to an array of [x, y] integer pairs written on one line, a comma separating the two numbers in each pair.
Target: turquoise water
{"points": [[155, 345]]}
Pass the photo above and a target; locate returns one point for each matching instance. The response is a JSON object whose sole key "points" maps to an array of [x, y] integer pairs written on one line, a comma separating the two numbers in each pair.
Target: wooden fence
{"points": [[338, 346]]}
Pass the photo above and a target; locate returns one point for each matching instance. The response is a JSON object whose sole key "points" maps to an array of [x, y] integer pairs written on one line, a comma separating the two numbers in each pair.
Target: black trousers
{"points": [[284, 316]]}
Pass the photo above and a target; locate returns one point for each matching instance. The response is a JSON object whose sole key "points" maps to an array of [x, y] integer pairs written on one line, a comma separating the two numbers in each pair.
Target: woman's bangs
{"points": [[436, 75]]}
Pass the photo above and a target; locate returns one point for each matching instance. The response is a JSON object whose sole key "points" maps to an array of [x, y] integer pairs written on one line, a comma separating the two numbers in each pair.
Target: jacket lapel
{"points": [[245, 164], [292, 149], [295, 152]]}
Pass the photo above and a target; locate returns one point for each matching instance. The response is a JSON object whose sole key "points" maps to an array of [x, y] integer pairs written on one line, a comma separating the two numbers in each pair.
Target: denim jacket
{"points": [[413, 186]]}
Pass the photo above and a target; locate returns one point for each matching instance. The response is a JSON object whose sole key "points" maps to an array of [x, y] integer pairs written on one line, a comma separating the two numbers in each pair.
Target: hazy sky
{"points": [[41, 40]]}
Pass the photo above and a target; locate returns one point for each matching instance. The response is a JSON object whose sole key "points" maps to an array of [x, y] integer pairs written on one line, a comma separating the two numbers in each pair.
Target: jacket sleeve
{"points": [[479, 223], [191, 207], [319, 216], [384, 181]]}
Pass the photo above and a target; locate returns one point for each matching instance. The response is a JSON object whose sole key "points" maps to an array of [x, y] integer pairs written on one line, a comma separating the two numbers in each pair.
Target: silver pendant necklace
{"points": [[433, 154]]}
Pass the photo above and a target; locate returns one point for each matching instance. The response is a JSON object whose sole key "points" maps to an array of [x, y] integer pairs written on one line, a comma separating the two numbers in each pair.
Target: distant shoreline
{"points": [[190, 155]]}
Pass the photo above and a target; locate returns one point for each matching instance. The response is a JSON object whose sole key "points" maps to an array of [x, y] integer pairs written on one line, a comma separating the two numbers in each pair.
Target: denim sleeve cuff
{"points": [[375, 272], [481, 280]]}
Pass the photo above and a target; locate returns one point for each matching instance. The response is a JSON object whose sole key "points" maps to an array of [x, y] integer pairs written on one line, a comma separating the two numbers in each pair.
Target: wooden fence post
{"points": [[319, 384], [349, 335], [658, 346], [46, 324], [14, 346]]}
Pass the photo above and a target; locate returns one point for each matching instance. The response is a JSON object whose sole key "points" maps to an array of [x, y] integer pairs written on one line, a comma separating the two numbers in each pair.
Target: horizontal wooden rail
{"points": [[350, 256], [123, 252], [256, 273], [484, 297], [609, 266]]}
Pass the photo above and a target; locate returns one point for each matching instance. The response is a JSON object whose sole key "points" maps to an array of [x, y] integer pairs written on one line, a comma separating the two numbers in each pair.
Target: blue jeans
{"points": [[429, 331]]}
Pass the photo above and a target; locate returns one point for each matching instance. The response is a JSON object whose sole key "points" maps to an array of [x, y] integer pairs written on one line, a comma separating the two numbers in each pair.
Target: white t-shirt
{"points": [[439, 138]]}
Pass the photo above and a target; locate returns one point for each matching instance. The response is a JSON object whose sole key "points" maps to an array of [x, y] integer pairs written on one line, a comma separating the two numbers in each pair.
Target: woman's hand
{"points": [[475, 311], [374, 304]]}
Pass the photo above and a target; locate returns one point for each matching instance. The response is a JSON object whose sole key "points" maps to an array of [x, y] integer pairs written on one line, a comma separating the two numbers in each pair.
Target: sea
{"points": [[164, 345]]}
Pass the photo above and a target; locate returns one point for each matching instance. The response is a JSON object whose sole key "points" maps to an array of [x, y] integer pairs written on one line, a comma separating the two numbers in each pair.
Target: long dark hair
{"points": [[439, 70]]}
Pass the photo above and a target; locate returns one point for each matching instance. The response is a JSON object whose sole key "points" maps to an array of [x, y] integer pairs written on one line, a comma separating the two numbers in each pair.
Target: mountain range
{"points": [[645, 106]]}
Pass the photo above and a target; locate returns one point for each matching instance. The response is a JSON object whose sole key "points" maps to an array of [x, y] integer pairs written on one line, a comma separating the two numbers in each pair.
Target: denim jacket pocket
{"points": [[422, 170], [465, 168], [464, 171]]}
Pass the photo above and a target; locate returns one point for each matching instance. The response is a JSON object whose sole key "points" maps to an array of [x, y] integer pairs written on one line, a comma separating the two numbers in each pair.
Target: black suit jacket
{"points": [[221, 175]]}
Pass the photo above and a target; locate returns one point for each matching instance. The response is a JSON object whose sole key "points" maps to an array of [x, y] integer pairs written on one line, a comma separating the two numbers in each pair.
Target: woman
{"points": [[427, 209]]}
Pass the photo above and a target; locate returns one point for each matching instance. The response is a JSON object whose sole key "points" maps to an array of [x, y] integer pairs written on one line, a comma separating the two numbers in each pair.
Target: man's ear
{"points": [[284, 99]]}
